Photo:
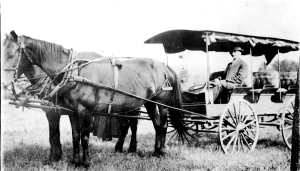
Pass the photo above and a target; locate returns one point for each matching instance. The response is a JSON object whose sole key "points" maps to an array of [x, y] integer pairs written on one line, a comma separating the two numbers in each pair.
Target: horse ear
{"points": [[14, 36]]}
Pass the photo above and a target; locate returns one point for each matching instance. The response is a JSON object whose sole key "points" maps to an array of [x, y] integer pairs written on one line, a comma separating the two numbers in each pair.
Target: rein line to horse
{"points": [[84, 80], [81, 79]]}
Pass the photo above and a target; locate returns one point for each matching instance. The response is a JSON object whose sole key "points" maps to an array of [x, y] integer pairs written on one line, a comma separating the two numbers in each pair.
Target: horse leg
{"points": [[163, 111], [85, 124], [160, 125], [76, 137], [133, 143], [54, 136], [124, 126]]}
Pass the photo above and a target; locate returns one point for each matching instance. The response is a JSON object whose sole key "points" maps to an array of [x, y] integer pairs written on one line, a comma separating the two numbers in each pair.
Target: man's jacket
{"points": [[236, 72]]}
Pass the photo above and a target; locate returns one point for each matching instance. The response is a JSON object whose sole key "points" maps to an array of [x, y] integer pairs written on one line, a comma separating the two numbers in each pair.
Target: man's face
{"points": [[236, 54]]}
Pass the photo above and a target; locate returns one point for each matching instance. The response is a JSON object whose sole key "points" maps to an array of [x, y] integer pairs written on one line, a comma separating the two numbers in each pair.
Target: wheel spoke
{"points": [[231, 117], [242, 119], [235, 141], [288, 127], [249, 137], [234, 108], [231, 140], [173, 136], [228, 129], [250, 123], [241, 142], [289, 117], [253, 130], [240, 113], [171, 131], [246, 141], [230, 124], [246, 119], [290, 134], [238, 143], [230, 134], [186, 139]]}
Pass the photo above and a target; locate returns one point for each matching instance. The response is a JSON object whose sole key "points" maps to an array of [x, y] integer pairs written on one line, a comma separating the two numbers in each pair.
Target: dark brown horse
{"points": [[142, 78], [34, 74]]}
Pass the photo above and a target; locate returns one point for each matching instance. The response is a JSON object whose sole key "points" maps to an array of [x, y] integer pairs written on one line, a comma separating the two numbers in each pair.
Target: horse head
{"points": [[15, 57]]}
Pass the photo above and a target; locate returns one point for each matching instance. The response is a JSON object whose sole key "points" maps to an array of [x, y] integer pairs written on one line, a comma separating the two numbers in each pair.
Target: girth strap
{"points": [[115, 82]]}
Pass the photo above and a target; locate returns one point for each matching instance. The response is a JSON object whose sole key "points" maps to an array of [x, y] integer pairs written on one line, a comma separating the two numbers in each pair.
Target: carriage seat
{"points": [[270, 79], [265, 80], [267, 83]]}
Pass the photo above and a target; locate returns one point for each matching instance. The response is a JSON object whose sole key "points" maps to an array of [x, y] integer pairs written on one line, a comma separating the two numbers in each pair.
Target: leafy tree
{"points": [[286, 66], [262, 67]]}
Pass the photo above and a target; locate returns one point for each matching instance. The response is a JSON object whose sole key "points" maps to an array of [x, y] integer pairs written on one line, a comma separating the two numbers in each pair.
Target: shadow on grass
{"points": [[204, 141], [210, 141], [270, 143], [34, 156]]}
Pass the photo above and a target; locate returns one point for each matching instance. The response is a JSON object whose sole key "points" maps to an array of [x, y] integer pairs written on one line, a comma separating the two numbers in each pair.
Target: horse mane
{"points": [[45, 49]]}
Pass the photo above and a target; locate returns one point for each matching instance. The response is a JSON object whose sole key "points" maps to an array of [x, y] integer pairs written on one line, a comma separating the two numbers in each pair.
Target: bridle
{"points": [[16, 69], [22, 49]]}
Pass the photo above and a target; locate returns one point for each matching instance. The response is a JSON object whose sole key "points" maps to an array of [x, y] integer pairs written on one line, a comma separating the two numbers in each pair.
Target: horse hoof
{"points": [[47, 162], [76, 162], [131, 150], [118, 150], [157, 154], [86, 163], [55, 159]]}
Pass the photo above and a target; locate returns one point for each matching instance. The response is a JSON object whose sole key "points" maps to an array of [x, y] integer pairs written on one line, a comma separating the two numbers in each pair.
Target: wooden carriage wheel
{"points": [[287, 125], [238, 127]]}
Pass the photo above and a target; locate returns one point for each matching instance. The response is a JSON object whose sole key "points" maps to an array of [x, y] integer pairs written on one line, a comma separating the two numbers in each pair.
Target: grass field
{"points": [[25, 146]]}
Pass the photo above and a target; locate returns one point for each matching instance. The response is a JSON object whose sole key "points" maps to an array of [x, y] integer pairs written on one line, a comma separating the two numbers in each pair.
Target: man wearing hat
{"points": [[235, 73]]}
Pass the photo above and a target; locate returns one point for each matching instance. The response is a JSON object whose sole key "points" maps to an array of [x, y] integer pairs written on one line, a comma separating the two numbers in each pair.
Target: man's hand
{"points": [[215, 82]]}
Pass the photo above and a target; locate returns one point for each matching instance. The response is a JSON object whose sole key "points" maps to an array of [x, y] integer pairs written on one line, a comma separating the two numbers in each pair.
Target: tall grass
{"points": [[25, 146]]}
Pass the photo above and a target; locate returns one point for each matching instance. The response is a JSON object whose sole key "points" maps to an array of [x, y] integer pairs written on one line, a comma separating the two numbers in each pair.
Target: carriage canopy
{"points": [[175, 41]]}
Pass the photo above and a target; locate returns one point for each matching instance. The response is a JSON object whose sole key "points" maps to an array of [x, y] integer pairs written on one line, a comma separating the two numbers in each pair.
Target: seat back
{"points": [[261, 79], [268, 78], [288, 79]]}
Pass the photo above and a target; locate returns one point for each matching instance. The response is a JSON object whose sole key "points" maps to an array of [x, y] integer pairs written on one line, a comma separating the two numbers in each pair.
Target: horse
{"points": [[93, 90], [34, 75]]}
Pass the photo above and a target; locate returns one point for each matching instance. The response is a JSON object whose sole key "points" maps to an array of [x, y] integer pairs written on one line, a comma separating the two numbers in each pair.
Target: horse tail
{"points": [[176, 101]]}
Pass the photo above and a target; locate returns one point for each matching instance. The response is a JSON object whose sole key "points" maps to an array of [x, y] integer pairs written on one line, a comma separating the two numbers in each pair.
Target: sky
{"points": [[119, 28]]}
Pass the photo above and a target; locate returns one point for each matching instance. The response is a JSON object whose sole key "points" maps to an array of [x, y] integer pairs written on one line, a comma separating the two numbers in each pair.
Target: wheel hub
{"points": [[240, 127]]}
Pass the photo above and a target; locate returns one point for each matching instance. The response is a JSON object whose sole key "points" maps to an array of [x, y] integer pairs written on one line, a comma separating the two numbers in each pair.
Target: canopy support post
{"points": [[208, 70], [279, 86], [251, 73], [167, 59]]}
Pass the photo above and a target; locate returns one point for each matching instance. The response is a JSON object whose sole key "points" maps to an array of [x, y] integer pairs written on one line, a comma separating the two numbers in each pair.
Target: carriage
{"points": [[267, 101]]}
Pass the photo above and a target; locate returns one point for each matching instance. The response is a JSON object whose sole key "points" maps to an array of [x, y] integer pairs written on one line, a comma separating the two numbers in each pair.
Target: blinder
{"points": [[16, 69]]}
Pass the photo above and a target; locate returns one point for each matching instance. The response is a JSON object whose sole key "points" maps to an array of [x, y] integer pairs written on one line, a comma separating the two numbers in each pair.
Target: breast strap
{"points": [[115, 69]]}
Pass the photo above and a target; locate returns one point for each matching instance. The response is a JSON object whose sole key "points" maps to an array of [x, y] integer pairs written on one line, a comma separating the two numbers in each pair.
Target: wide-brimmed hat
{"points": [[237, 48]]}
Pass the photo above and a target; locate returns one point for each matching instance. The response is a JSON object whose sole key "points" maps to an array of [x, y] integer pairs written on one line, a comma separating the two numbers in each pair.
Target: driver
{"points": [[235, 73]]}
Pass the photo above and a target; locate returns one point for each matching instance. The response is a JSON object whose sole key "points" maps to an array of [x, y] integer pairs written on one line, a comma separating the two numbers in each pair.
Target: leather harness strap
{"points": [[115, 82], [66, 76]]}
